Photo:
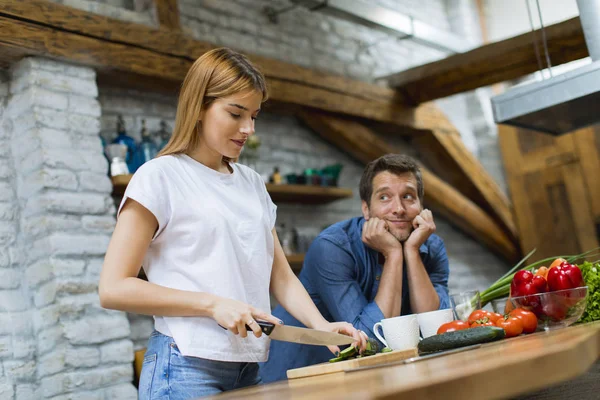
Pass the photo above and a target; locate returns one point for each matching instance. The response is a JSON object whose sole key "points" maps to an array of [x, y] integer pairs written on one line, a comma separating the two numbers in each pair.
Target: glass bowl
{"points": [[556, 309]]}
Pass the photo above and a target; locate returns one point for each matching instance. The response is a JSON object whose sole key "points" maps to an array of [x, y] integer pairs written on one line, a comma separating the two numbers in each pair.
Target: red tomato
{"points": [[528, 319], [512, 326], [452, 326], [494, 317], [478, 315]]}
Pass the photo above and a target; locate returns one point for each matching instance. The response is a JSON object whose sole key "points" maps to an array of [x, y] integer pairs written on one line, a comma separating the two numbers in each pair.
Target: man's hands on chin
{"points": [[375, 234], [423, 228]]}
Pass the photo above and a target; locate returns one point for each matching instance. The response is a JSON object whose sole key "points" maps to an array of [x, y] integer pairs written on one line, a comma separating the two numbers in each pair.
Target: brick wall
{"points": [[55, 338], [138, 11]]}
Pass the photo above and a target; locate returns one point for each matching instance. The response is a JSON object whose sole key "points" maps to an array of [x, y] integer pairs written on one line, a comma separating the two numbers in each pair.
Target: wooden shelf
{"points": [[120, 183], [307, 194], [304, 194]]}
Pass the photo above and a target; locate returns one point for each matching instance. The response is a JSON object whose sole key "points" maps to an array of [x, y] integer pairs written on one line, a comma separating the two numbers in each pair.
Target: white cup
{"points": [[429, 322], [401, 333]]}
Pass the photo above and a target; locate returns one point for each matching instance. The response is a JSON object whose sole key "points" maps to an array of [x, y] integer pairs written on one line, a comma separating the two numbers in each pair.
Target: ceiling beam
{"points": [[493, 63], [365, 145], [178, 44], [20, 38]]}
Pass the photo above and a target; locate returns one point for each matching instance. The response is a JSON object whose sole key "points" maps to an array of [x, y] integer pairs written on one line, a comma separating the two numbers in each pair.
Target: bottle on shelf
{"points": [[116, 153], [276, 176], [147, 149], [163, 135], [124, 138]]}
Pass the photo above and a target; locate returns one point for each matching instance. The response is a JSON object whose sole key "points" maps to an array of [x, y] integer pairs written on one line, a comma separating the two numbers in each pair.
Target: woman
{"points": [[203, 229]]}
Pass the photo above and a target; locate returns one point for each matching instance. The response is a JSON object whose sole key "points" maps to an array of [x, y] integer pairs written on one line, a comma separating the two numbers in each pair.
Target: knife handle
{"points": [[265, 327]]}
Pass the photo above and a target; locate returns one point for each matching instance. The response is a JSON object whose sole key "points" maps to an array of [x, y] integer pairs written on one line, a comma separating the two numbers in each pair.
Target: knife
{"points": [[301, 335]]}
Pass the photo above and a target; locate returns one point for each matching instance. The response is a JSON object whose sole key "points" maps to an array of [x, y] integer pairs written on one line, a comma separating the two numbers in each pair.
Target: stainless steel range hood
{"points": [[562, 103]]}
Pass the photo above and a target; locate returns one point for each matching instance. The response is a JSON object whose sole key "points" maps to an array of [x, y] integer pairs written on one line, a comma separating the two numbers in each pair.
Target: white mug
{"points": [[401, 333], [432, 320]]}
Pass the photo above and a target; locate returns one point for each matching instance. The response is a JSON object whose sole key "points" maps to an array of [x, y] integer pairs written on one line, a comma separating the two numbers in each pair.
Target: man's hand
{"points": [[375, 234], [424, 227]]}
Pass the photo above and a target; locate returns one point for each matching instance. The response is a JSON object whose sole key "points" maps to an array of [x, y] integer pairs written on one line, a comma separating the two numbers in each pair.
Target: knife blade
{"points": [[302, 335]]}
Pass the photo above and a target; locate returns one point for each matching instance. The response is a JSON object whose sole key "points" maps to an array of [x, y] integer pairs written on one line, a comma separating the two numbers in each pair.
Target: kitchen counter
{"points": [[502, 369]]}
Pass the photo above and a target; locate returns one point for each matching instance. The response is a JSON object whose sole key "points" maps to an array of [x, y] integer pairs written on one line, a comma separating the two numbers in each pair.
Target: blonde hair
{"points": [[217, 73]]}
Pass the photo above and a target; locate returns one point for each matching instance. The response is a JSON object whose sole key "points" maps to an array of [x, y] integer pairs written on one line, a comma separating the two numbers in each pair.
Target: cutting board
{"points": [[342, 366]]}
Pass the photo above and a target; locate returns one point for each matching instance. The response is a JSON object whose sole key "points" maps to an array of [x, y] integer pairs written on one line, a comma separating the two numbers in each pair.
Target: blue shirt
{"points": [[341, 274]]}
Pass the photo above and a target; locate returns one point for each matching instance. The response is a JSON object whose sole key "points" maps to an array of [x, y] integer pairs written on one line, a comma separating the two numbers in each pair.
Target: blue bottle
{"points": [[124, 138], [147, 149]]}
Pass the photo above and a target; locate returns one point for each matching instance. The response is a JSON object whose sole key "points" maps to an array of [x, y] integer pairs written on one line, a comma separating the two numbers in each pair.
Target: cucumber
{"points": [[352, 352], [456, 339], [372, 347], [345, 354]]}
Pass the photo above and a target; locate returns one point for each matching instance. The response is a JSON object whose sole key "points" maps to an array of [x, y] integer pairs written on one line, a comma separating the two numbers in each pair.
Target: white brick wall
{"points": [[137, 11], [61, 226]]}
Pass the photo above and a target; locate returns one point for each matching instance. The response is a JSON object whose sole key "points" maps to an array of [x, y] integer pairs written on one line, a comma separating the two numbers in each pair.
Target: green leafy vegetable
{"points": [[591, 276]]}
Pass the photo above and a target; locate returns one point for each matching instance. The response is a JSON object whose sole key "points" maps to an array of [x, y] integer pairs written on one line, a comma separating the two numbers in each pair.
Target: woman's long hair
{"points": [[217, 73]]}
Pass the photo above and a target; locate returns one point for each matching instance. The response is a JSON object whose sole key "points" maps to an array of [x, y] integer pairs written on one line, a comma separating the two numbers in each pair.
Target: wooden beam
{"points": [[115, 59], [25, 38], [168, 14], [178, 44], [364, 145], [46, 29], [493, 63]]}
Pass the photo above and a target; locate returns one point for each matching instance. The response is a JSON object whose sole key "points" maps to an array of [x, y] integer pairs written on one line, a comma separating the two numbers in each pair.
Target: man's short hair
{"points": [[394, 163]]}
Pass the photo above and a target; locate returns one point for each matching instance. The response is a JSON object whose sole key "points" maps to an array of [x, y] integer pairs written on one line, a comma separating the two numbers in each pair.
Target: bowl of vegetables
{"points": [[554, 309], [556, 295]]}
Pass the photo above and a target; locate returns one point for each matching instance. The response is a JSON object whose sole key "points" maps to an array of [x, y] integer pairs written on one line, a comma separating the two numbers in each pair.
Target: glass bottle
{"points": [[163, 135], [124, 138], [147, 149]]}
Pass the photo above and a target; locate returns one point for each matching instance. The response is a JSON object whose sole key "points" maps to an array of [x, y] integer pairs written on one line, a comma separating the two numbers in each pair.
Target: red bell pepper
{"points": [[565, 276], [524, 283]]}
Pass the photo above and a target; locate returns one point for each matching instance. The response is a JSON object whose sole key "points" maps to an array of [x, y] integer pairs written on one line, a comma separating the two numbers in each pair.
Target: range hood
{"points": [[562, 103]]}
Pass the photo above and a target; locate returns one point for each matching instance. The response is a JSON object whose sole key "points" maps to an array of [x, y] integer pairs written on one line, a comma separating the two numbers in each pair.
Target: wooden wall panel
{"points": [[553, 188], [587, 142]]}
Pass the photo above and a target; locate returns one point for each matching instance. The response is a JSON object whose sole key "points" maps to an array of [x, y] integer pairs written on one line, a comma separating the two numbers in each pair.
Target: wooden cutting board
{"points": [[341, 366]]}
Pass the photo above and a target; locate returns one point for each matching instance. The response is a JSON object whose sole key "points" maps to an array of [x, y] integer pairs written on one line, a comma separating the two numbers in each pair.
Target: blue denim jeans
{"points": [[167, 374]]}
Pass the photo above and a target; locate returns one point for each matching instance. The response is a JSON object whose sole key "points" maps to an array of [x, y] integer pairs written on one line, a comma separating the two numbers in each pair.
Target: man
{"points": [[381, 265]]}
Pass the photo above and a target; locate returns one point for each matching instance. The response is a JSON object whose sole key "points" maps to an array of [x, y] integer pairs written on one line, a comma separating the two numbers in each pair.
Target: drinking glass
{"points": [[464, 303]]}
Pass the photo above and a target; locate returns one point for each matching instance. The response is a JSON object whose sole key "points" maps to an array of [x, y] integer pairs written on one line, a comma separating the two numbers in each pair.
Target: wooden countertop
{"points": [[495, 370]]}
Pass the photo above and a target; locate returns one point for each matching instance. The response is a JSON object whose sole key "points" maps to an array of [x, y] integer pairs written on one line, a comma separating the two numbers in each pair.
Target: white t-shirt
{"points": [[214, 236]]}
